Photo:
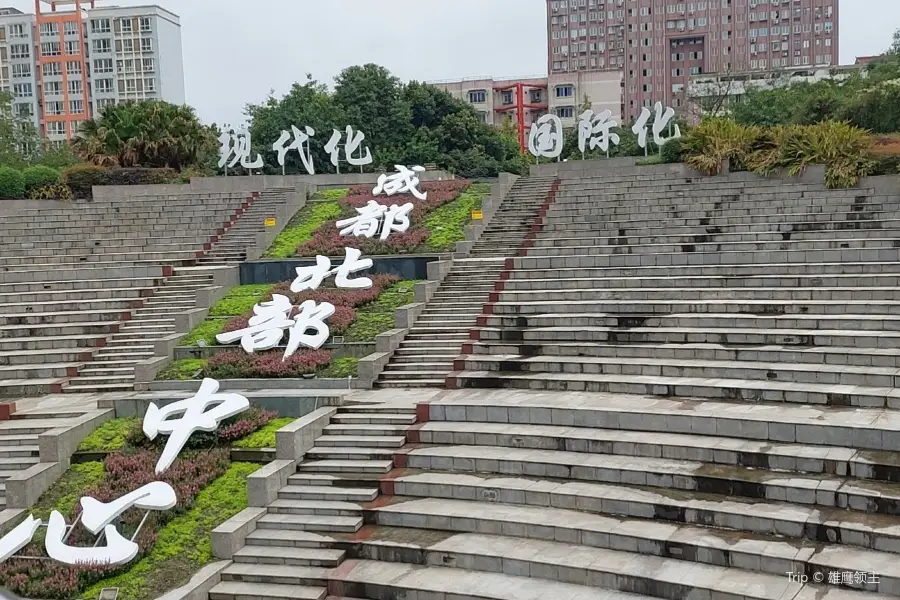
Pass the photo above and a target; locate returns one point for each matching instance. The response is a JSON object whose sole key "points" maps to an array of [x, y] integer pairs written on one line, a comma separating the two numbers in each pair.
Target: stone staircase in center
{"points": [[231, 247], [425, 357], [319, 512]]}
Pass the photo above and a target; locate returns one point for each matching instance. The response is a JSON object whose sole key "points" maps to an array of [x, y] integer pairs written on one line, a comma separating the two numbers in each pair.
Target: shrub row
{"points": [[15, 184], [82, 178], [845, 150]]}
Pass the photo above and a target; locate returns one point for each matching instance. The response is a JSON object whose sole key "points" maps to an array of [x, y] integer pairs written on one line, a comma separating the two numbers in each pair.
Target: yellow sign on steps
{"points": [[270, 222], [476, 215]]}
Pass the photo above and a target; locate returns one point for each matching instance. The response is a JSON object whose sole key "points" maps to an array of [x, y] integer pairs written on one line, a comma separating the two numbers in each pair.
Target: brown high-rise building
{"points": [[659, 44]]}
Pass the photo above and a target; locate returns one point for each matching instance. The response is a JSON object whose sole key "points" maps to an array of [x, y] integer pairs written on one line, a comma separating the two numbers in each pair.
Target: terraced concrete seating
{"points": [[747, 290], [86, 291]]}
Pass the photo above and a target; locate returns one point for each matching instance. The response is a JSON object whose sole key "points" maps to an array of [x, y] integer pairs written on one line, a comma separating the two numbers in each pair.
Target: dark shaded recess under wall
{"points": [[276, 271]]}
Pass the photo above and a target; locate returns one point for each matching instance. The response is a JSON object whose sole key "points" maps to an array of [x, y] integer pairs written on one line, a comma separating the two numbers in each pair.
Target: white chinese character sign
{"points": [[402, 182], [373, 216], [546, 137], [234, 148], [203, 411], [300, 143], [596, 130], [663, 118], [354, 141]]}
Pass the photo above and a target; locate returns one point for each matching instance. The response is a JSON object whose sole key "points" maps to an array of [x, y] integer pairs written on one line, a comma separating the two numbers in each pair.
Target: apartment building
{"points": [[658, 45], [67, 60], [525, 99]]}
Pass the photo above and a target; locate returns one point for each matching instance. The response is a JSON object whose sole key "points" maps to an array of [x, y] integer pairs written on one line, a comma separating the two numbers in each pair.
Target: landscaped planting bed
{"points": [[436, 224], [360, 315], [175, 543]]}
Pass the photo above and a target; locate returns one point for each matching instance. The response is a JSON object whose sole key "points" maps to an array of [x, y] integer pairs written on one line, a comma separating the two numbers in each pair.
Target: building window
{"points": [[104, 102], [50, 49], [74, 126], [24, 110], [100, 26], [19, 51], [565, 91], [56, 128], [565, 112], [535, 96], [103, 65], [127, 45], [51, 69], [17, 31], [103, 86], [52, 88], [50, 29], [145, 25], [130, 85], [125, 25], [477, 96], [127, 65], [148, 64], [23, 90], [70, 28], [73, 67], [150, 86], [73, 48], [506, 97], [76, 107], [75, 87], [146, 45], [23, 70], [53, 108], [102, 46]]}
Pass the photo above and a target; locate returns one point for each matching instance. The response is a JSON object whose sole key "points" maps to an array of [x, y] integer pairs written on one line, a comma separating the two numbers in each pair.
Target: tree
{"points": [[415, 123], [149, 133], [20, 141]]}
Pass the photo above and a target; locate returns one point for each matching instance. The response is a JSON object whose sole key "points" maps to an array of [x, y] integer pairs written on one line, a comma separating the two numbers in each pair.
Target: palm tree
{"points": [[149, 133]]}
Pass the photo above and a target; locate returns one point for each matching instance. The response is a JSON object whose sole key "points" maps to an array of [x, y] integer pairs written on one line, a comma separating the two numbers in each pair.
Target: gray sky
{"points": [[236, 51]]}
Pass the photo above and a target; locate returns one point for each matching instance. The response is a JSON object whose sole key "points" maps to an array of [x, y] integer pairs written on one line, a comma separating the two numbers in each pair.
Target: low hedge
{"points": [[12, 183], [39, 176], [82, 178]]}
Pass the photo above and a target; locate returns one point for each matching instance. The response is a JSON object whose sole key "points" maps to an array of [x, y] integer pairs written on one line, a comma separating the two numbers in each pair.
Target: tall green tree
{"points": [[20, 142], [149, 133]]}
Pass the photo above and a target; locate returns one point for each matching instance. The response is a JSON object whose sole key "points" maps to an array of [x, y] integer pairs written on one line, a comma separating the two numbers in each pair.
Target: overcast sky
{"points": [[236, 51]]}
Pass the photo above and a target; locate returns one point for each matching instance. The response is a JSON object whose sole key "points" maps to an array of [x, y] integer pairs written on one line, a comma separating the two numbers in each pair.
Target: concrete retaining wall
{"points": [[276, 271]]}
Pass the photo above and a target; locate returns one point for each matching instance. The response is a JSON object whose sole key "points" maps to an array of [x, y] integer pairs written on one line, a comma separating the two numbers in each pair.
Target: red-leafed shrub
{"points": [[327, 240], [237, 364], [125, 472], [247, 422], [345, 302]]}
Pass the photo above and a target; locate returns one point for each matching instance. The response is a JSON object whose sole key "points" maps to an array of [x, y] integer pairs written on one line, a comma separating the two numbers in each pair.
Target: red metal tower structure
{"points": [[520, 105]]}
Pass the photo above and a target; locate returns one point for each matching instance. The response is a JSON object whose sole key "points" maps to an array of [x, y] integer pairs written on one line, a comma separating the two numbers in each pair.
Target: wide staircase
{"points": [[425, 356], [738, 438], [106, 274], [231, 247]]}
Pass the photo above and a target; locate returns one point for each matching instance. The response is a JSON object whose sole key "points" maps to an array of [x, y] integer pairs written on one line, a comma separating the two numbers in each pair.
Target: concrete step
{"points": [[331, 453], [289, 538], [325, 493], [361, 441], [300, 557], [322, 523], [314, 507], [235, 590], [374, 418], [346, 466]]}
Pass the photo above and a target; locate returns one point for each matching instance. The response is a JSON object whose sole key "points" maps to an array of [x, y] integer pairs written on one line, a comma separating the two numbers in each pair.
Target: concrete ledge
{"points": [[357, 349], [146, 371], [425, 290], [295, 439], [201, 582], [229, 537], [263, 484], [187, 320], [389, 340], [25, 487], [370, 367], [406, 315], [287, 403]]}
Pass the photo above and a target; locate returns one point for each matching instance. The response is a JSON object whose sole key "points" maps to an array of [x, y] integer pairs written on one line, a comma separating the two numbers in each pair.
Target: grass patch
{"points": [[239, 300], [301, 227], [332, 194], [378, 316], [265, 437], [205, 332], [340, 368], [181, 370], [447, 223], [63, 494], [653, 159], [108, 437], [184, 544]]}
